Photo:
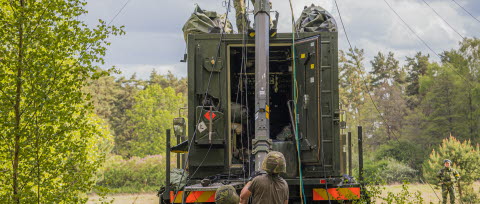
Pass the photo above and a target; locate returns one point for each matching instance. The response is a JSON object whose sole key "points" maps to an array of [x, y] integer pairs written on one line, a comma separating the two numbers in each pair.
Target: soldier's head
{"points": [[447, 163], [274, 163], [226, 195]]}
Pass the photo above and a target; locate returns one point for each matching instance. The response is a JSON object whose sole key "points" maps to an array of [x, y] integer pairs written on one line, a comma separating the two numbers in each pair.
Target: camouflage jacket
{"points": [[448, 175]]}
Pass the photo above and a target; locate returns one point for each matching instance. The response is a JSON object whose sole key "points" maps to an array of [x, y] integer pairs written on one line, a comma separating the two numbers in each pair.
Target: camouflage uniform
{"points": [[241, 14], [226, 195], [448, 177]]}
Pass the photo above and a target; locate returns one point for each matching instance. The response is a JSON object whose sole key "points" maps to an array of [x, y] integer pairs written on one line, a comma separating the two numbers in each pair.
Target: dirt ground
{"points": [[151, 198]]}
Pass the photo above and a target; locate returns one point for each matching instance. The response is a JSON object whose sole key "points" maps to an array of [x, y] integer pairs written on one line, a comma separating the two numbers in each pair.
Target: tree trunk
{"points": [[18, 100]]}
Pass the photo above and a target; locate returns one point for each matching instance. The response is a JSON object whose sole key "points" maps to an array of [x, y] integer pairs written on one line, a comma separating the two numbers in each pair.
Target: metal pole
{"points": [[360, 154], [178, 154], [343, 152], [349, 138], [262, 43], [166, 195]]}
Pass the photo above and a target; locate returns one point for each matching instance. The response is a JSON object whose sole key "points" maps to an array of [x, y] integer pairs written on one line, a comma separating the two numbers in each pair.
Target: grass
{"points": [[151, 198], [144, 198], [428, 194]]}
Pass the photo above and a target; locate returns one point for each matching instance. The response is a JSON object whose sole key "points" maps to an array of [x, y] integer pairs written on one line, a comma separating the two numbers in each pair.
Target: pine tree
{"points": [[417, 67]]}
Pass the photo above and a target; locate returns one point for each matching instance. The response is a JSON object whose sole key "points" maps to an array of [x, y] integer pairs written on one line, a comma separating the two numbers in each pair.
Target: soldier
{"points": [[268, 188], [448, 176], [226, 195], [241, 14]]}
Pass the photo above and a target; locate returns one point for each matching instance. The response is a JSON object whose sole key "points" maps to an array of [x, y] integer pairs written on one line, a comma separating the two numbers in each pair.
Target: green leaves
{"points": [[50, 144], [464, 155], [151, 115]]}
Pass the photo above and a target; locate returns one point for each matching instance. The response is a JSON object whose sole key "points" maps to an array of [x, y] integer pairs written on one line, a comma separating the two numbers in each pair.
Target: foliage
{"points": [[403, 151], [417, 67], [386, 70], [465, 158], [405, 196], [152, 115], [407, 111], [114, 101], [132, 175], [388, 171], [374, 192], [469, 195], [49, 141]]}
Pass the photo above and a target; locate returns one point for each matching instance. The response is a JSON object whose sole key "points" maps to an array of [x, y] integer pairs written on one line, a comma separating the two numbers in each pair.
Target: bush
{"points": [[132, 175], [402, 151], [389, 171], [466, 160], [469, 195]]}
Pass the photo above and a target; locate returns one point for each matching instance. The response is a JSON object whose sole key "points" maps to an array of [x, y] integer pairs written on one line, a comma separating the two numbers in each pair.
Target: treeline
{"points": [[138, 111], [408, 108]]}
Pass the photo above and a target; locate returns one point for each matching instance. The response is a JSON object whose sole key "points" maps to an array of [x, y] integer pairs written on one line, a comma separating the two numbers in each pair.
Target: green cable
{"points": [[296, 118]]}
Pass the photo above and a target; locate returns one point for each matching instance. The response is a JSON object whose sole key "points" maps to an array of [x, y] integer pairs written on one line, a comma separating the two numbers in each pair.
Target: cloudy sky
{"points": [[154, 38]]}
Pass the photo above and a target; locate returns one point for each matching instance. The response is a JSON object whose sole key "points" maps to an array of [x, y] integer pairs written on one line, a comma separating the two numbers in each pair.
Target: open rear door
{"points": [[308, 100], [317, 103]]}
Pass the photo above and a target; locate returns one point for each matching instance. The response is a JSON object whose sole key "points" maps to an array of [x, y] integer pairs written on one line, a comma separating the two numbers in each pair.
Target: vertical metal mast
{"points": [[262, 111]]}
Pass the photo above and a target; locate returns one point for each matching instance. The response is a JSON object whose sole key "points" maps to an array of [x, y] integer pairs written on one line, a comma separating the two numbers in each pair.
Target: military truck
{"points": [[255, 92]]}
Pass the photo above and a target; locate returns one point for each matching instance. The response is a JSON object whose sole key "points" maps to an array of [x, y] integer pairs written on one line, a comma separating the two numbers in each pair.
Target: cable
{"points": [[302, 189], [428, 46], [242, 67], [443, 19], [431, 188], [246, 103], [466, 11], [361, 74], [124, 5]]}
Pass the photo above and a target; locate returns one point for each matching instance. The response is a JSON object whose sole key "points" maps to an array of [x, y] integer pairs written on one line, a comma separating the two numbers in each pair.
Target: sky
{"points": [[154, 37]]}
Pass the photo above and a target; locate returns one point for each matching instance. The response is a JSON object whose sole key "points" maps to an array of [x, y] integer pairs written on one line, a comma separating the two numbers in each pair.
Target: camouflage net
{"points": [[315, 19], [202, 21]]}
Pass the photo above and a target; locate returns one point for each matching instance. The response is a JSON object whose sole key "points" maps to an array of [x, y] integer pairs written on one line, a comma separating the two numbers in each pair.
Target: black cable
{"points": [[443, 19], [119, 11], [466, 11], [428, 46], [201, 163], [431, 188], [242, 64]]}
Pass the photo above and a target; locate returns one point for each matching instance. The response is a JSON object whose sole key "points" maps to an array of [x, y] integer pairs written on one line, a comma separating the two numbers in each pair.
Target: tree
{"points": [[387, 90], [466, 62], [169, 80], [465, 158], [103, 92], [121, 122], [153, 113], [417, 67], [352, 85], [386, 70], [48, 144]]}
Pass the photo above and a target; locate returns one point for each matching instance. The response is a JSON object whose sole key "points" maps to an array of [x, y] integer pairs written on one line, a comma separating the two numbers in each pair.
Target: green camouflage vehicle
{"points": [[239, 111]]}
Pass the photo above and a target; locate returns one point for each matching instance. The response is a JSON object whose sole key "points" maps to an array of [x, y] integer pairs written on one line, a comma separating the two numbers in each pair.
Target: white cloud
{"points": [[154, 37]]}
